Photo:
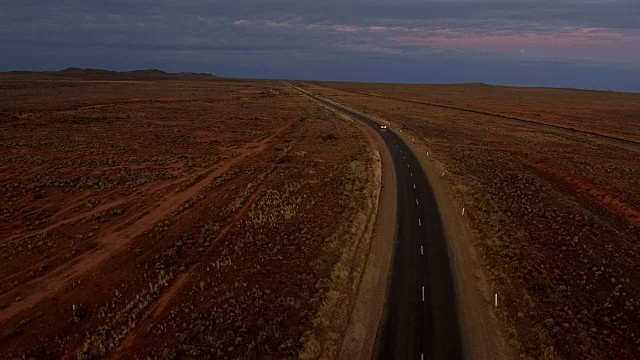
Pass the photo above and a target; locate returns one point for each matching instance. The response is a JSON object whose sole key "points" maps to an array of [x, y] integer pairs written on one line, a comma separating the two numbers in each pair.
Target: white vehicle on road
{"points": [[383, 127]]}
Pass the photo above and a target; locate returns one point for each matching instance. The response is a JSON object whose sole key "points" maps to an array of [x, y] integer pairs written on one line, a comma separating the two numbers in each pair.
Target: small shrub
{"points": [[538, 286]]}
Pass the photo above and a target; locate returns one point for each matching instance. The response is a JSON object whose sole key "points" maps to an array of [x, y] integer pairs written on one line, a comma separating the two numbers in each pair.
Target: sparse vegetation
{"points": [[552, 216], [205, 217]]}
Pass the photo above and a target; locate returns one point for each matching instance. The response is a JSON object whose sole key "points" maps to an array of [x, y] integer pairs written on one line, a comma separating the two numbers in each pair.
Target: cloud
{"points": [[248, 34]]}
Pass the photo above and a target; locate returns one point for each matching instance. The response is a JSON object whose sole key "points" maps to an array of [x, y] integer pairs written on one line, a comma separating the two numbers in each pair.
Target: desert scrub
{"points": [[352, 240], [276, 206], [191, 181], [119, 322]]}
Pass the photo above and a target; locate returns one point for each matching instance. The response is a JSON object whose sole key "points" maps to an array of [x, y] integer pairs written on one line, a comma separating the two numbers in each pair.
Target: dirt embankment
{"points": [[620, 208], [349, 319]]}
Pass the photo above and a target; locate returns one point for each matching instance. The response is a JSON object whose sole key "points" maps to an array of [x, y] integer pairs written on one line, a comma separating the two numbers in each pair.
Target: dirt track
{"points": [[174, 218]]}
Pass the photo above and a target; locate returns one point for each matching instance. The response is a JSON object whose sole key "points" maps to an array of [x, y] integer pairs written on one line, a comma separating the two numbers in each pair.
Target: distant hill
{"points": [[75, 72]]}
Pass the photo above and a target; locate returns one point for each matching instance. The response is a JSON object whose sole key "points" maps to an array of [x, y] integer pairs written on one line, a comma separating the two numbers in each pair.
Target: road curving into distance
{"points": [[421, 319], [565, 130]]}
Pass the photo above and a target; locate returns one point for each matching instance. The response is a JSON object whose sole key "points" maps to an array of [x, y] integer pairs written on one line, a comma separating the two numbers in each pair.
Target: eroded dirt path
{"points": [[158, 307], [622, 209], [110, 244]]}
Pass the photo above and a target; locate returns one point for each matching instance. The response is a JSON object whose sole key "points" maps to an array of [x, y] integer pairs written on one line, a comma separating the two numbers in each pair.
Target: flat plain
{"points": [[181, 217], [554, 217]]}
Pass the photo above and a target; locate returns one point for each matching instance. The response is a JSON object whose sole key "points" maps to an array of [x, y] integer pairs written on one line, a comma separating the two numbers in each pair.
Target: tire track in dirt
{"points": [[77, 218], [620, 208], [89, 213], [112, 243], [174, 288]]}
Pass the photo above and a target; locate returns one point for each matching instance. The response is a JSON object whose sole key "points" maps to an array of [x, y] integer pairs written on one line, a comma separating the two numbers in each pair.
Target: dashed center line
{"points": [[421, 250], [416, 201], [414, 186], [411, 174], [422, 292], [419, 222]]}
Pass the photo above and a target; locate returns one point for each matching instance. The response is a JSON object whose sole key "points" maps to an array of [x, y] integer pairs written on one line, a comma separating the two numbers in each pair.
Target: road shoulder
{"points": [[483, 334], [360, 337], [366, 315]]}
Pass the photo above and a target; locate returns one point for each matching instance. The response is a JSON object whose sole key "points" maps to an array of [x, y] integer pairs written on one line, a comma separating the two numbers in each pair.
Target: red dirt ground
{"points": [[625, 211], [162, 208]]}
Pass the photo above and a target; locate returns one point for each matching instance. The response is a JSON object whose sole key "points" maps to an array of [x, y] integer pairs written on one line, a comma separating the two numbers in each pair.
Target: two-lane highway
{"points": [[421, 316]]}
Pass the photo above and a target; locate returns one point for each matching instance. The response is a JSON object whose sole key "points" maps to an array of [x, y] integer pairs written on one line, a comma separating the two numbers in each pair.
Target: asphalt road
{"points": [[589, 135], [422, 318]]}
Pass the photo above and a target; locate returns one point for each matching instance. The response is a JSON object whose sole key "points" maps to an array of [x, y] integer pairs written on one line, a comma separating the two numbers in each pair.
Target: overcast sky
{"points": [[562, 43]]}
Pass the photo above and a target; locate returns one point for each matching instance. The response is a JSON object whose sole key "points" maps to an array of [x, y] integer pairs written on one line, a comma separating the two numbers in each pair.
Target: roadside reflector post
{"points": [[462, 211], [496, 301]]}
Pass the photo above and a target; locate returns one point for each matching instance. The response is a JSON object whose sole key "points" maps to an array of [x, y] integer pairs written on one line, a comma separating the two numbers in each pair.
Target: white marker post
{"points": [[443, 173], [462, 211], [496, 300]]}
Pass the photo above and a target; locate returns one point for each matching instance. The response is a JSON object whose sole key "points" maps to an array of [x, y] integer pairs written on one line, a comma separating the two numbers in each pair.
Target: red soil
{"points": [[109, 244], [625, 211]]}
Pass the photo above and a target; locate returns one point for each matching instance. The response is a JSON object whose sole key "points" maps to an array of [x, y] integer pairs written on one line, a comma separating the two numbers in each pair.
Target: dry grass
{"points": [[544, 213], [604, 112], [224, 197], [324, 340]]}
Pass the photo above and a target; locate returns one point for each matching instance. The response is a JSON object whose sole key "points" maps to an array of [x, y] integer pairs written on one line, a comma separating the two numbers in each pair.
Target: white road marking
{"points": [[421, 356], [462, 211], [407, 165], [414, 186], [411, 174], [423, 293], [419, 222], [416, 201], [404, 157], [496, 300], [421, 250]]}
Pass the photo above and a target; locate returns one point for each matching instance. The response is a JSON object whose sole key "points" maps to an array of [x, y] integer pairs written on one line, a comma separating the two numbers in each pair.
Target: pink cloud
{"points": [[569, 41]]}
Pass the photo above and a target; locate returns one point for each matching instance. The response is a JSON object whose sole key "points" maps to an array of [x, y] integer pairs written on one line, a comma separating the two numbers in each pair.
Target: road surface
{"points": [[422, 318], [589, 135]]}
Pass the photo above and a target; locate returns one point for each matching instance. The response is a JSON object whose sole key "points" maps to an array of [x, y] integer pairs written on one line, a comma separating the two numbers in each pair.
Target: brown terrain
{"points": [[597, 112], [552, 216], [179, 216]]}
